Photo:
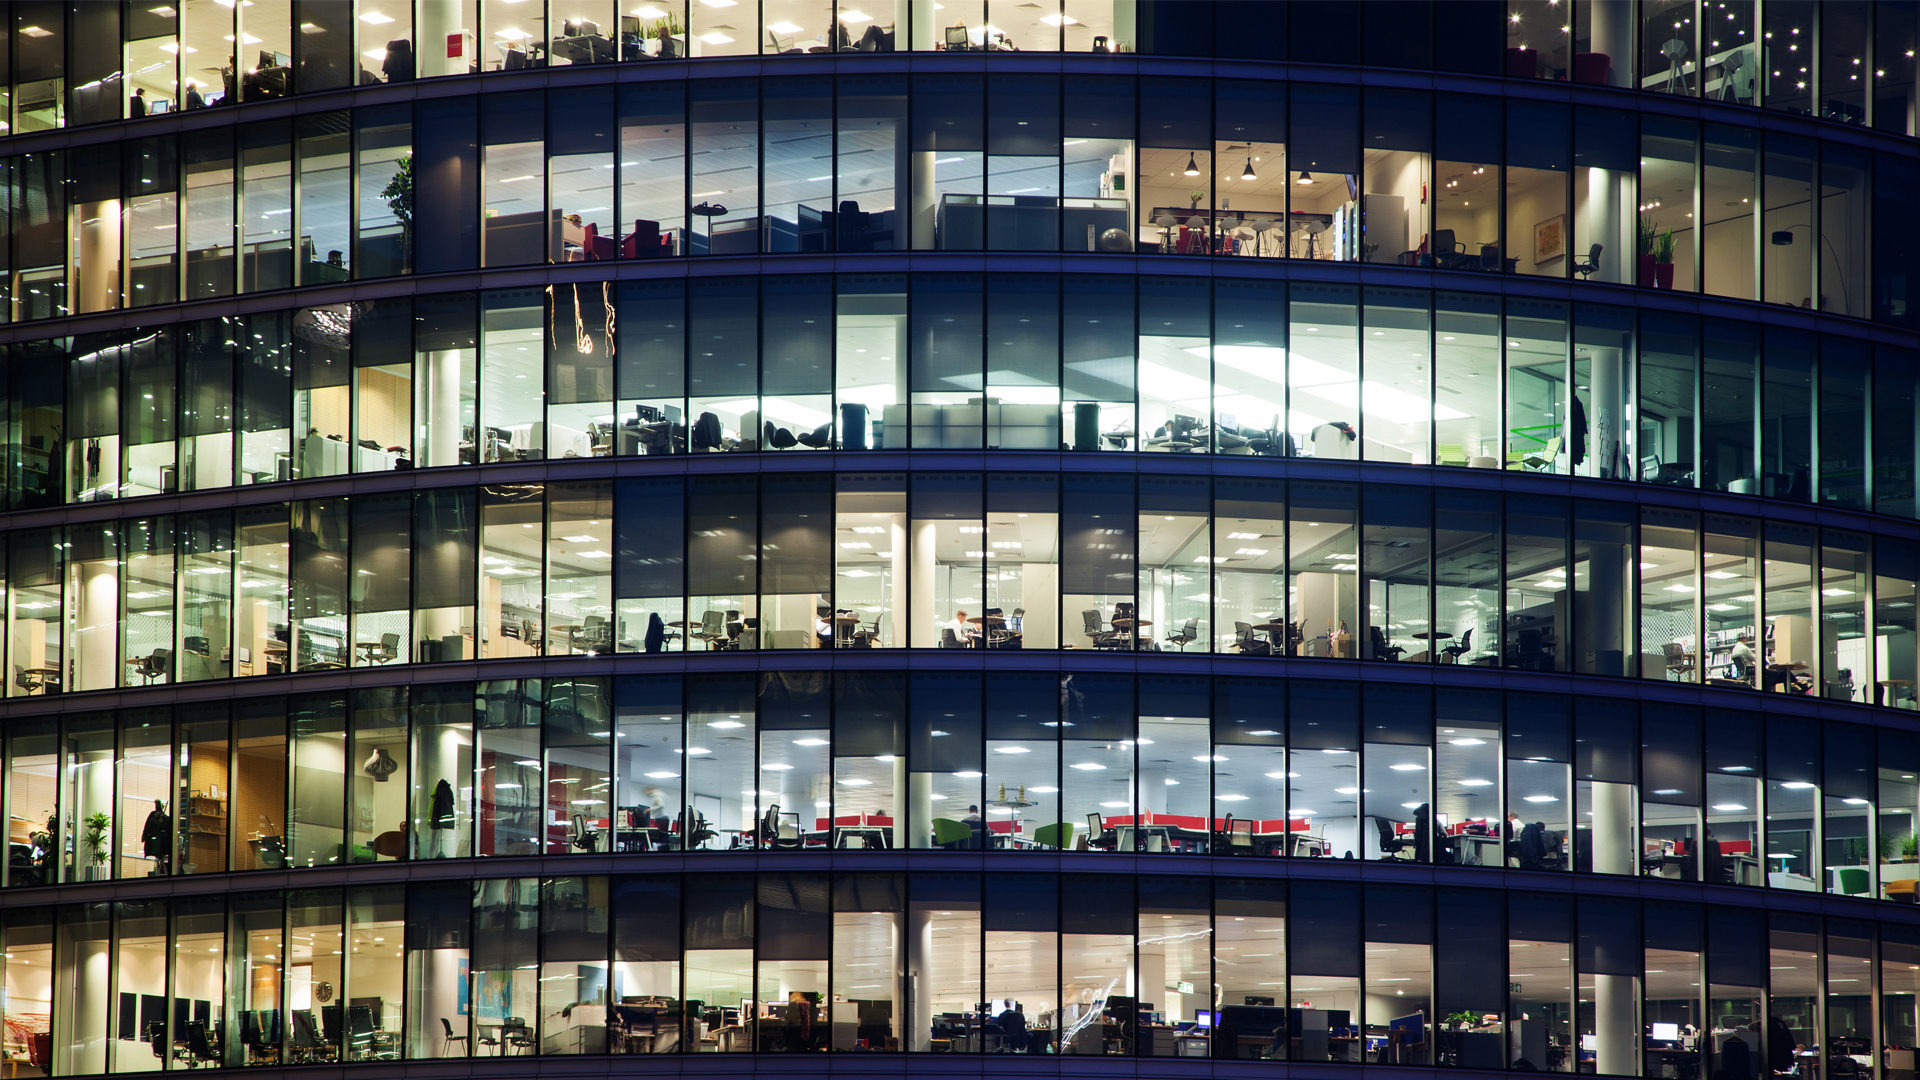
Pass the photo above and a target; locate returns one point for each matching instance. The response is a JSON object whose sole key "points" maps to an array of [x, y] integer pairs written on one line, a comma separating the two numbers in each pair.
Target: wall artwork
{"points": [[1550, 238]]}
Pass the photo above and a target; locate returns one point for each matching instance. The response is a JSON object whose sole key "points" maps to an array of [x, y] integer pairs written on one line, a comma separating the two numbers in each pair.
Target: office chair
{"points": [[1447, 252], [1591, 266], [154, 1032], [713, 629], [1247, 643], [516, 1034], [1186, 635], [949, 639], [1096, 629], [1382, 650], [579, 835], [1097, 833], [820, 438], [199, 1047], [778, 834], [1390, 845], [385, 650], [1240, 838], [1678, 662], [155, 666], [707, 434], [449, 1038], [1460, 648]]}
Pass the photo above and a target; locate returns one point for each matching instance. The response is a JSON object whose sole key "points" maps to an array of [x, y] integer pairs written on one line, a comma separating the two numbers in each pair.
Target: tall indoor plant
{"points": [[1663, 261], [1644, 242]]}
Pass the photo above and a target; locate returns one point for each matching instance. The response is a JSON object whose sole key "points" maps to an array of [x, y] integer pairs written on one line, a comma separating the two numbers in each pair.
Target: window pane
{"points": [[1731, 183]]}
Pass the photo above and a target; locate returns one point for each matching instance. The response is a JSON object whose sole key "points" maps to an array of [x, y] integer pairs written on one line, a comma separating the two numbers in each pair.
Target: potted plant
{"points": [[1644, 246], [1462, 1020], [1663, 261], [398, 195], [1194, 197], [94, 839]]}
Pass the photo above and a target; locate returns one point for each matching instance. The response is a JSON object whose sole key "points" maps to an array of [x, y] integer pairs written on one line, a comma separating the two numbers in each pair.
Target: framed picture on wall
{"points": [[1550, 238]]}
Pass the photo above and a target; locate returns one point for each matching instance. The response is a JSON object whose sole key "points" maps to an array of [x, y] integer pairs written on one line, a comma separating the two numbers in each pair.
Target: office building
{"points": [[1273, 534]]}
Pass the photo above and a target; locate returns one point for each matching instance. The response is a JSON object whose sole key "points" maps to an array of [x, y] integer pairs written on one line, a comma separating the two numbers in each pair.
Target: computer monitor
{"points": [[1203, 1019], [1665, 1032]]}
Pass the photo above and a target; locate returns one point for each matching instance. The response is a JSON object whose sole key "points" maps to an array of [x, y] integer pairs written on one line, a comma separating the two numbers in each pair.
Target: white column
{"points": [[919, 623], [1611, 835], [897, 588], [920, 812], [920, 980], [1616, 999], [898, 808], [1613, 35], [439, 438], [922, 204], [97, 625]]}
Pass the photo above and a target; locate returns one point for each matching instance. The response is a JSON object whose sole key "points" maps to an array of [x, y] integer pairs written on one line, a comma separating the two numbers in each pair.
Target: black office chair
{"points": [[1248, 643], [1390, 845], [1381, 649], [1448, 253], [199, 1047], [1185, 636], [449, 1038], [949, 639], [820, 438], [1460, 648], [774, 835], [1592, 264], [155, 1034]]}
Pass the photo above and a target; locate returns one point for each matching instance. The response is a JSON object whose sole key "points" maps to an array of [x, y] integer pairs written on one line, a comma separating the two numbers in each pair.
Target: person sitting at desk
{"points": [[963, 629], [823, 628], [973, 814], [1742, 658], [1013, 1028]]}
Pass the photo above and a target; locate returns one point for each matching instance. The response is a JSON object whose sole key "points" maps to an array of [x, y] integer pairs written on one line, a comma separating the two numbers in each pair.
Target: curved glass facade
{"points": [[1021, 763], [87, 66], [908, 960], [1257, 568], [950, 161], [1246, 368], [1377, 534], [957, 963]]}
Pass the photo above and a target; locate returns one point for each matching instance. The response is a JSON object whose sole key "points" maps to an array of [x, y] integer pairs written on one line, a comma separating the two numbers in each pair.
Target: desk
{"points": [[1473, 850], [871, 837], [1159, 838], [1890, 691], [39, 678], [586, 49]]}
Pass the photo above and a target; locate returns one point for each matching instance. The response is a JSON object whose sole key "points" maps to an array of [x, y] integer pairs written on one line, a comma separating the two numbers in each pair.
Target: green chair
{"points": [[1851, 879], [1057, 835], [951, 834], [1450, 454]]}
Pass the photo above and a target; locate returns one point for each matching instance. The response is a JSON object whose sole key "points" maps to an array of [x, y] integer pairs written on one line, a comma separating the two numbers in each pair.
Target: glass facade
{"points": [[943, 162], [956, 361], [931, 758], [915, 593], [800, 961], [1183, 564]]}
